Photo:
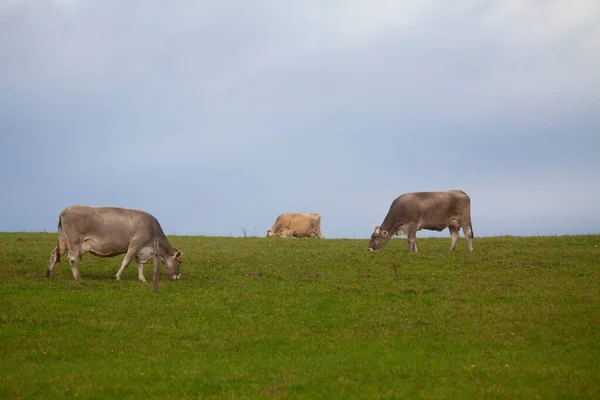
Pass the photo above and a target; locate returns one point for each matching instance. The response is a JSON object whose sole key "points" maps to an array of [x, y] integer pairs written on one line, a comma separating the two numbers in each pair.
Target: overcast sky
{"points": [[218, 115]]}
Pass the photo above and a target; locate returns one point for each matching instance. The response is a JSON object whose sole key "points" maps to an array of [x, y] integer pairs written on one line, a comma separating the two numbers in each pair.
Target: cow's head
{"points": [[270, 233], [172, 262], [379, 239]]}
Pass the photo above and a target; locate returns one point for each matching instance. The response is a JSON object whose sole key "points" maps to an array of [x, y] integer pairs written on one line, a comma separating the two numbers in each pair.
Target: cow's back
{"points": [[109, 223], [303, 224], [452, 202]]}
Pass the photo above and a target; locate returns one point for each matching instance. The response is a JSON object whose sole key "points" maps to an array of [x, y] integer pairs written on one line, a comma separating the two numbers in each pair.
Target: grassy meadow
{"points": [[518, 318]]}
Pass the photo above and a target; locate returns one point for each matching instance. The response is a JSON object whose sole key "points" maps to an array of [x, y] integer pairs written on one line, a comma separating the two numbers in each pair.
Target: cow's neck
{"points": [[389, 224], [164, 247]]}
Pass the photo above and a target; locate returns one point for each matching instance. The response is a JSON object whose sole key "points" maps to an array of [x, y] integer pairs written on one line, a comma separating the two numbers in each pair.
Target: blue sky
{"points": [[218, 115]]}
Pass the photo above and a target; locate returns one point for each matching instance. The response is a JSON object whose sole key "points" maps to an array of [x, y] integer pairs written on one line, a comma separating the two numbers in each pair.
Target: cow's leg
{"points": [[453, 236], [140, 266], [73, 260], [52, 262], [54, 255], [285, 233], [468, 235], [412, 240], [128, 257]]}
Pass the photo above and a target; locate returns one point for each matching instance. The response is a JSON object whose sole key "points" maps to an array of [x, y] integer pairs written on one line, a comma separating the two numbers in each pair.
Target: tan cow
{"points": [[289, 225]]}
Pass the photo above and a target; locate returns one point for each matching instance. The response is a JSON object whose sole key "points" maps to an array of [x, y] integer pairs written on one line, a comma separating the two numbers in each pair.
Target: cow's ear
{"points": [[178, 254], [377, 230], [384, 233]]}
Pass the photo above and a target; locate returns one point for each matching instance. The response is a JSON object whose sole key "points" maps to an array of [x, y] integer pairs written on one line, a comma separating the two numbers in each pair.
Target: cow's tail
{"points": [[471, 229], [60, 232]]}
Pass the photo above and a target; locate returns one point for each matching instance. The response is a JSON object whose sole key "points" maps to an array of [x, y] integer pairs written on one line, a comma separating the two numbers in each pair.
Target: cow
{"points": [[434, 211], [289, 225], [110, 231]]}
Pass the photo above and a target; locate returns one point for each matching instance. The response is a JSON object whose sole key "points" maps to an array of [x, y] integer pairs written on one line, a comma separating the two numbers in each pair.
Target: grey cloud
{"points": [[216, 115]]}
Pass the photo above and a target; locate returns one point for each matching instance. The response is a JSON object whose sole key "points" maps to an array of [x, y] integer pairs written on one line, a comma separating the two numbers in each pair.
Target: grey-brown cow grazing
{"points": [[110, 231], [296, 225], [434, 211]]}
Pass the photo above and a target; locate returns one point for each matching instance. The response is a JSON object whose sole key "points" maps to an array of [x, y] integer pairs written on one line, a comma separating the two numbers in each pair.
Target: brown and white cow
{"points": [[289, 225], [110, 231], [434, 211]]}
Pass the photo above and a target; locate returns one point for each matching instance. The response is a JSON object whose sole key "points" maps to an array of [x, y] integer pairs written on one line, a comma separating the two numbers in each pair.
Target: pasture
{"points": [[518, 318]]}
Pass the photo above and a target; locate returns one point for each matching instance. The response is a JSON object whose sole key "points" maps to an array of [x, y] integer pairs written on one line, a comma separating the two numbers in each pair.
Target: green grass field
{"points": [[518, 318]]}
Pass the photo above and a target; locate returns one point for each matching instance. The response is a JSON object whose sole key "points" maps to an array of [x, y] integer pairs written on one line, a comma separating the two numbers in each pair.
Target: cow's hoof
{"points": [[143, 280], [48, 274], [117, 278]]}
